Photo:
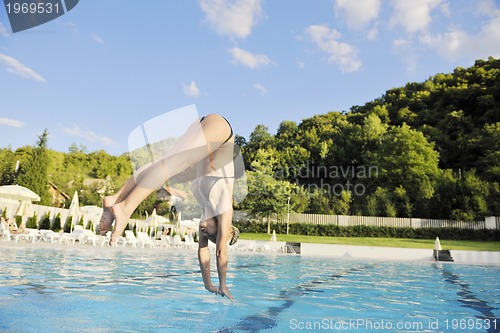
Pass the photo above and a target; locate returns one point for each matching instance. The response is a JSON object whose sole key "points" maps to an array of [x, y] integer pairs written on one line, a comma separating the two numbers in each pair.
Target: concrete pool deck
{"points": [[393, 253], [371, 252]]}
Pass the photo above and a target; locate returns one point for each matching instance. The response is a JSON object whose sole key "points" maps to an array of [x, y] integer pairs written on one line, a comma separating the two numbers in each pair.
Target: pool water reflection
{"points": [[82, 288]]}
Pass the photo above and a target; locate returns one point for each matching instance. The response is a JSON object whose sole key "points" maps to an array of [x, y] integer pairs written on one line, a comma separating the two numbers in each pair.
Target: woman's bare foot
{"points": [[107, 216], [121, 221]]}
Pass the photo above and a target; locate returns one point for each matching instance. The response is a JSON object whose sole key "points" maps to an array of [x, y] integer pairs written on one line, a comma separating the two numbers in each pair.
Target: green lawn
{"points": [[390, 242]]}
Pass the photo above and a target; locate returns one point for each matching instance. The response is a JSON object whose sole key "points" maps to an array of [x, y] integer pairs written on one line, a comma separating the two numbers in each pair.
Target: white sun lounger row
{"points": [[80, 235], [84, 236]]}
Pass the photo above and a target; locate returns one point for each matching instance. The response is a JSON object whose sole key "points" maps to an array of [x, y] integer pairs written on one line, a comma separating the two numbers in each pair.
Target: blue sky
{"points": [[94, 74]]}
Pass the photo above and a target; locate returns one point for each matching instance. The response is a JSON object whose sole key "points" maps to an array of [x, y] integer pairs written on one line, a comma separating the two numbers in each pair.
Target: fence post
{"points": [[343, 221], [490, 222], [416, 223]]}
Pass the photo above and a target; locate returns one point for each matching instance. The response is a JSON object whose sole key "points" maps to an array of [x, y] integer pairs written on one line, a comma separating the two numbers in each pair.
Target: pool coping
{"points": [[396, 253], [372, 252]]}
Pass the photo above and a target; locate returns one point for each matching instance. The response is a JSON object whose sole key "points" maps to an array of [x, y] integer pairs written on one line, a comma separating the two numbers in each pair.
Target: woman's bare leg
{"points": [[192, 148], [108, 216]]}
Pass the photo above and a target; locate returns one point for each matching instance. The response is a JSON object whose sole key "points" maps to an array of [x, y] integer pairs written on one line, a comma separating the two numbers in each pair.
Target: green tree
{"points": [[406, 159], [380, 203], [342, 203], [470, 197], [33, 173], [489, 144], [266, 195], [260, 138], [402, 202], [7, 166]]}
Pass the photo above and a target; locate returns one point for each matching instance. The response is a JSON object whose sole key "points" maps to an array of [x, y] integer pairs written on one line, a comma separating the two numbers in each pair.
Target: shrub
{"points": [[32, 222], [45, 223], [67, 225], [56, 226]]}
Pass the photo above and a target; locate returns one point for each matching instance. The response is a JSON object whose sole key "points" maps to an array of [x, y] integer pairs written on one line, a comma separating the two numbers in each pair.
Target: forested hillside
{"points": [[68, 171], [429, 149]]}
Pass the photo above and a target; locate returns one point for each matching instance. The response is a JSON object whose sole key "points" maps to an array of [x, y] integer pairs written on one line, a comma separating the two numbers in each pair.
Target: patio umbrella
{"points": [[25, 210], [155, 220], [74, 210], [18, 192], [189, 225], [9, 205]]}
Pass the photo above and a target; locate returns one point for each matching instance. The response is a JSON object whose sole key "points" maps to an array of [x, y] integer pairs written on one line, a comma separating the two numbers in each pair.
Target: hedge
{"points": [[45, 223], [371, 231]]}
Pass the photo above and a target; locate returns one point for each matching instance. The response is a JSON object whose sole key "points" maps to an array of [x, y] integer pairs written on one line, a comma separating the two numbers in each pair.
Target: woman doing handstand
{"points": [[208, 146]]}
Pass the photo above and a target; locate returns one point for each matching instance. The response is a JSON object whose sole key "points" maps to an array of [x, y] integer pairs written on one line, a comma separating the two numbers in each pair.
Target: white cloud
{"points": [[405, 49], [459, 44], [232, 18], [70, 25], [88, 135], [191, 89], [485, 7], [248, 59], [413, 16], [260, 88], [345, 56], [372, 34], [445, 9], [300, 63], [358, 13], [96, 38], [16, 67], [3, 31], [11, 122]]}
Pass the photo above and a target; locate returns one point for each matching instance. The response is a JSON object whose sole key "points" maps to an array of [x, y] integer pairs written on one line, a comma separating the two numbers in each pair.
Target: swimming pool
{"points": [[45, 288]]}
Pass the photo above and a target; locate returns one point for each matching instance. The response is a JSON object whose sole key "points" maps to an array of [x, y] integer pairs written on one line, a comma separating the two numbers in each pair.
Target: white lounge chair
{"points": [[105, 239], [89, 237], [189, 242], [4, 231], [143, 239], [49, 236], [177, 241], [76, 235], [165, 241], [31, 235], [130, 238]]}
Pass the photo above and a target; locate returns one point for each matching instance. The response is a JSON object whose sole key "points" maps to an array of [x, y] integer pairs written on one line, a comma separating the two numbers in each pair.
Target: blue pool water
{"points": [[45, 288]]}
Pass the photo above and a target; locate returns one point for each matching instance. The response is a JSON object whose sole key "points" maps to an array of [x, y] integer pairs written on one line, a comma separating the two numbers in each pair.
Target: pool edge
{"points": [[394, 253]]}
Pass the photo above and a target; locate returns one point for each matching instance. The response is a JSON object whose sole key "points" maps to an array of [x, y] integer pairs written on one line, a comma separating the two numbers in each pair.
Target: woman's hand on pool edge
{"points": [[223, 291]]}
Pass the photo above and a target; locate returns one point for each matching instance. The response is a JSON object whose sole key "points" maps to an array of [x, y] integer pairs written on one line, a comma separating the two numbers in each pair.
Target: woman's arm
{"points": [[204, 259], [224, 225]]}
